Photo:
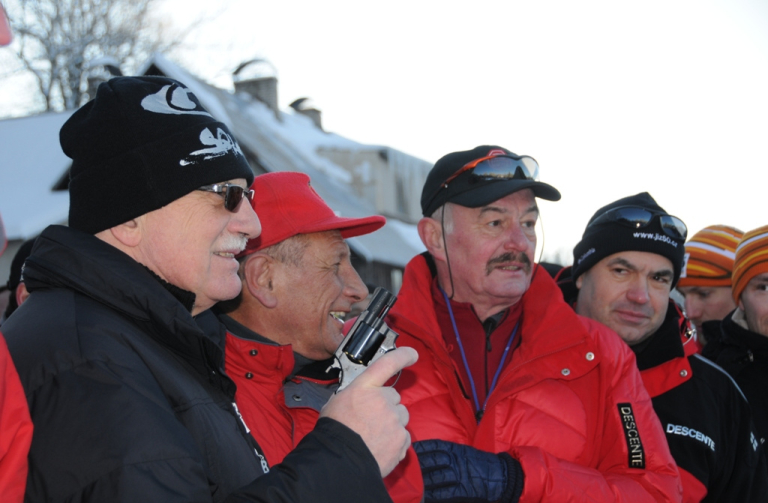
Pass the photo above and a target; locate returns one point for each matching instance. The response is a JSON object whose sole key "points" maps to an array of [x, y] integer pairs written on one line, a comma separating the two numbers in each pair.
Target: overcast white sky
{"points": [[611, 97]]}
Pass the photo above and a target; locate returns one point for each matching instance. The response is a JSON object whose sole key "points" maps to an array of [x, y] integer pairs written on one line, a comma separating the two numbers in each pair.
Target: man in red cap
{"points": [[284, 327]]}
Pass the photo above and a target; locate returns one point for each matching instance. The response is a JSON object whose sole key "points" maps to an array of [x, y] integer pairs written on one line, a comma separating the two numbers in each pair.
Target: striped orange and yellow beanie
{"points": [[751, 259], [709, 256]]}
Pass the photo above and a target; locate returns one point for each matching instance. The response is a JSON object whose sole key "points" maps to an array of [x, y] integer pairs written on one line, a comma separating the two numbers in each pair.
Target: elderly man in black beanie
{"points": [[629, 259], [120, 358], [514, 398]]}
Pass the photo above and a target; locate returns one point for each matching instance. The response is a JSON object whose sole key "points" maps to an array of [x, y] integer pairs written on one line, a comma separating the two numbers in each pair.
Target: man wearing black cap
{"points": [[118, 353], [514, 397], [630, 257]]}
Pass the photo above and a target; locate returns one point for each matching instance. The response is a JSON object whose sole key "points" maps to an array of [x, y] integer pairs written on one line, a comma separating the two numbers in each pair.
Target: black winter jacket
{"points": [[129, 400], [706, 418], [744, 355]]}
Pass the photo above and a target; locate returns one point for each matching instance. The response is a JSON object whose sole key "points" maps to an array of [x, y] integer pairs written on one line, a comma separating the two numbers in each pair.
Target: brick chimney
{"points": [[305, 107], [258, 79]]}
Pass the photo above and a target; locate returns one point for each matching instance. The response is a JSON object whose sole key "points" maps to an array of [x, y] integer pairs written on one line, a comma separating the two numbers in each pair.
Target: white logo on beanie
{"points": [[585, 255], [656, 237], [177, 104], [220, 144]]}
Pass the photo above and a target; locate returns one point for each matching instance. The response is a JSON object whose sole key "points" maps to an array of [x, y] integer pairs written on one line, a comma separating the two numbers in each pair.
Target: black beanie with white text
{"points": [[140, 144], [605, 239]]}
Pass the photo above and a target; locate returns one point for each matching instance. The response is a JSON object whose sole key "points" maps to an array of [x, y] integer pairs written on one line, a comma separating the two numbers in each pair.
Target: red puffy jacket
{"points": [[15, 431], [570, 406], [278, 419], [282, 411]]}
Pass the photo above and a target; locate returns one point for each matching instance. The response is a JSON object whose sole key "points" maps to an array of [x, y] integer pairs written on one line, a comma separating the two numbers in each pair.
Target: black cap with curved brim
{"points": [[467, 190]]}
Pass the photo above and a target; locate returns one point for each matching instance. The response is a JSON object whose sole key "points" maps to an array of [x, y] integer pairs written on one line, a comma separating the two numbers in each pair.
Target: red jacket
{"points": [[261, 373], [570, 406], [291, 407], [15, 431]]}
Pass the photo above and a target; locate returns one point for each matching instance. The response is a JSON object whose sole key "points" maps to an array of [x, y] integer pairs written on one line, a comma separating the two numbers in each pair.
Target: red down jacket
{"points": [[570, 406], [261, 373], [15, 431], [282, 408]]}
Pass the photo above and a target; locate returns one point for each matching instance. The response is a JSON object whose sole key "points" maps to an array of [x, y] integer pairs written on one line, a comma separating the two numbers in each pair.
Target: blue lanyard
{"points": [[466, 365]]}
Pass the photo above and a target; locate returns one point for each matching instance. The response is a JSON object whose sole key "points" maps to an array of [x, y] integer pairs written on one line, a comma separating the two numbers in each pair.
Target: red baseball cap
{"points": [[287, 205]]}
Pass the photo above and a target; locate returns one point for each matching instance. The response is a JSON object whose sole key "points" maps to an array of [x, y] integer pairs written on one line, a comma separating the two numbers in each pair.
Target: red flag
{"points": [[5, 28]]}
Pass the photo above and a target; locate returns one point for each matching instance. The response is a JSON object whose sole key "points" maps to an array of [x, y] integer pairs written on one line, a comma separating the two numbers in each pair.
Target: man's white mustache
{"points": [[233, 242]]}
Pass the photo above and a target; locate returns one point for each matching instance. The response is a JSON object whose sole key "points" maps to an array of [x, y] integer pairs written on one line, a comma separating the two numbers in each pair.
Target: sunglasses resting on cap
{"points": [[635, 217], [496, 167]]}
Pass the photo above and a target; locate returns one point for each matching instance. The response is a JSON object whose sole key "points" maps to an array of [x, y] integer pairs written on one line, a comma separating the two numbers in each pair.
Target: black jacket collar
{"points": [[665, 344], [67, 258]]}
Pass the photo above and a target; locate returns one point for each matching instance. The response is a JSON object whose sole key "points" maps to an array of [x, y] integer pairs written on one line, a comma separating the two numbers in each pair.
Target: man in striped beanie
{"points": [[750, 279], [706, 278], [740, 342]]}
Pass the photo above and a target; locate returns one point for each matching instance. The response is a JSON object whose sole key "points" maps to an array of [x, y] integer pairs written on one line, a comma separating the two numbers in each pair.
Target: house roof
{"points": [[32, 163]]}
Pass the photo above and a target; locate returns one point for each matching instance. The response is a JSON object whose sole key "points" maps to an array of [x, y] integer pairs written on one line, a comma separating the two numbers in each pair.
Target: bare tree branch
{"points": [[57, 39]]}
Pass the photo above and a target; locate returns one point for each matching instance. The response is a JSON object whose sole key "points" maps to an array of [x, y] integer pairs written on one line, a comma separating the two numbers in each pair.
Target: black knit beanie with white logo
{"points": [[603, 240], [140, 144]]}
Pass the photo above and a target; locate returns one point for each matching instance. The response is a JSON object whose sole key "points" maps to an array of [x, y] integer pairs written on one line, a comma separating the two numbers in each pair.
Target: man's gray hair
{"points": [[444, 214], [289, 251]]}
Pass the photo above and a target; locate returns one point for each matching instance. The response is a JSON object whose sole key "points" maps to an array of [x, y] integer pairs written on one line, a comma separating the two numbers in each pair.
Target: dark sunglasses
{"points": [[232, 194], [496, 168], [632, 216]]}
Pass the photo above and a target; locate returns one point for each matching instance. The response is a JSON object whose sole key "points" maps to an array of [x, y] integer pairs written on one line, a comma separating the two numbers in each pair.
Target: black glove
{"points": [[460, 473]]}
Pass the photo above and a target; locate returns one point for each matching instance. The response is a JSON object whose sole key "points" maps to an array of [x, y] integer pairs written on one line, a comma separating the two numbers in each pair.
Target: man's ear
{"points": [[580, 281], [741, 305], [21, 293], [431, 234], [259, 271], [128, 233]]}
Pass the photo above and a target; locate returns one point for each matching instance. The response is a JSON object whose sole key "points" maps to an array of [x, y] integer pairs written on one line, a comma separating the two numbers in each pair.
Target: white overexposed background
{"points": [[611, 97]]}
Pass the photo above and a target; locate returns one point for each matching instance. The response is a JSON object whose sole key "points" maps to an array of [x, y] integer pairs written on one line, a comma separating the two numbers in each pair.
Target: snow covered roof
{"points": [[31, 163]]}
